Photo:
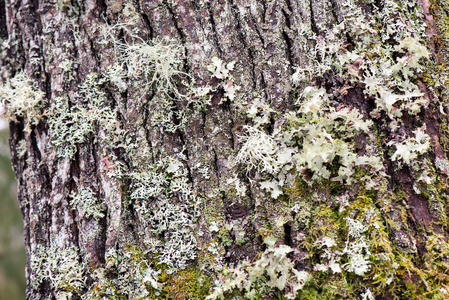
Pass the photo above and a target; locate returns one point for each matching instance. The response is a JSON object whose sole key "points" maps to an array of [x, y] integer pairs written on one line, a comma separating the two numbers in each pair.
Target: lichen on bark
{"points": [[229, 149]]}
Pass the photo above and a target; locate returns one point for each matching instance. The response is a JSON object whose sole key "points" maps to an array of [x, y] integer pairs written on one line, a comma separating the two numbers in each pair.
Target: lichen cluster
{"points": [[21, 97], [60, 267]]}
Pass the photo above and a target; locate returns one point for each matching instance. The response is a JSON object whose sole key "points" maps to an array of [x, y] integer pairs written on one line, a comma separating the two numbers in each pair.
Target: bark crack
{"points": [[334, 10], [288, 49], [186, 153], [312, 19], [215, 164], [263, 85], [256, 28], [180, 33], [214, 30], [240, 30], [147, 22], [146, 115], [231, 119], [3, 27]]}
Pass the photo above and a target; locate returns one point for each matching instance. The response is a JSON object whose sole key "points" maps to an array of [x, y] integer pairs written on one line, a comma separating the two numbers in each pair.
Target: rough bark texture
{"points": [[172, 191]]}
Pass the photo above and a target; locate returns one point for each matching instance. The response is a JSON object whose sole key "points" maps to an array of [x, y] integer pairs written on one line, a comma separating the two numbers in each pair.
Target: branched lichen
{"points": [[71, 124], [87, 203], [152, 193], [21, 97], [269, 275], [69, 127], [60, 267]]}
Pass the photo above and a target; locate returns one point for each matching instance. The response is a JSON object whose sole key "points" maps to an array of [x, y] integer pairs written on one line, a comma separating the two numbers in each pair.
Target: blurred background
{"points": [[12, 250]]}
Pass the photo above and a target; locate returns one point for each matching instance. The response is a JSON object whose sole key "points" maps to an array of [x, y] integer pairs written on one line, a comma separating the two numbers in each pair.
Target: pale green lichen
{"points": [[152, 193], [269, 275], [176, 226], [60, 267], [410, 148], [222, 71], [127, 274], [72, 124], [155, 64], [87, 203], [355, 249], [21, 97], [69, 127]]}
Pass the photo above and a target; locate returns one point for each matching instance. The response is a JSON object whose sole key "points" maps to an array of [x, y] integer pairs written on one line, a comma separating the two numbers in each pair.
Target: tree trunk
{"points": [[261, 149]]}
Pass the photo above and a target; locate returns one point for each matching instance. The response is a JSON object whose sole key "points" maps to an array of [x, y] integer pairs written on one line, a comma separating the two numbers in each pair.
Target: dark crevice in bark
{"points": [[289, 6], [226, 206], [287, 18], [94, 52], [34, 148], [215, 164], [175, 22], [47, 83], [186, 153], [227, 106], [74, 228], [73, 186], [288, 235], [312, 19], [335, 11], [128, 213], [34, 29], [214, 30], [258, 32], [102, 9], [95, 152], [33, 12], [379, 4], [147, 22], [249, 192], [270, 126], [103, 223], [240, 32], [203, 125], [76, 52], [147, 127], [264, 6], [45, 290], [3, 27], [263, 85], [256, 28], [288, 50], [181, 34]]}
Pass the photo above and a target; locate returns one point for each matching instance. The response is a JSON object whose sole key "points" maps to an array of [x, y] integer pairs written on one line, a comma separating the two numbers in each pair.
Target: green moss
{"points": [[190, 283], [136, 274]]}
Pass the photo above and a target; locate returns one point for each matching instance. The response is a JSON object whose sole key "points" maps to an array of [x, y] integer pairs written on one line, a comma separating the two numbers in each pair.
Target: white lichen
{"points": [[60, 267], [21, 97], [273, 271], [410, 148], [153, 193], [72, 124], [87, 203]]}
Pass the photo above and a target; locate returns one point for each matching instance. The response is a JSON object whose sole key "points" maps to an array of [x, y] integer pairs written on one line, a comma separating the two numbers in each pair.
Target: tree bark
{"points": [[262, 149]]}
